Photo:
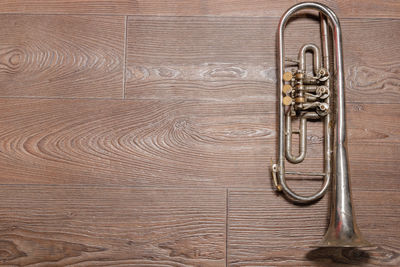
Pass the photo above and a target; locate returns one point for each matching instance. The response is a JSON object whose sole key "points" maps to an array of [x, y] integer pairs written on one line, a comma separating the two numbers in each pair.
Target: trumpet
{"points": [[317, 95]]}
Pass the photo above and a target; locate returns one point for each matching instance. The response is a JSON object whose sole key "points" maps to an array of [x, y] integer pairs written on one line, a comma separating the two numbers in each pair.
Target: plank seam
{"points": [[125, 58], [177, 16], [232, 101], [226, 227], [197, 188]]}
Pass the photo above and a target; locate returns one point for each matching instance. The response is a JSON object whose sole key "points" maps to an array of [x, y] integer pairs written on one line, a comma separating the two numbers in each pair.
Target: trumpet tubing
{"points": [[317, 94]]}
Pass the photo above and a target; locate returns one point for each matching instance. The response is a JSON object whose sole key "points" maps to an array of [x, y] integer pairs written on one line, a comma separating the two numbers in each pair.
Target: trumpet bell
{"points": [[336, 237], [343, 240], [343, 232]]}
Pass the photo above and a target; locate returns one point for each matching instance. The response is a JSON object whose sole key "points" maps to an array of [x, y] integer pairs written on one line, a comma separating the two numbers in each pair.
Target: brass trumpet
{"points": [[318, 95]]}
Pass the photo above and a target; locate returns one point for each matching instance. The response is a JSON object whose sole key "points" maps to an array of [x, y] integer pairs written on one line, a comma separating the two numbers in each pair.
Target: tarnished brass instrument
{"points": [[318, 95]]}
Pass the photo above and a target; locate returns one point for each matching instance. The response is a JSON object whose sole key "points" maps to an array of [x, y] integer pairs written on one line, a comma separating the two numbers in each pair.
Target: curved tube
{"points": [[340, 136], [303, 142], [317, 56], [303, 137]]}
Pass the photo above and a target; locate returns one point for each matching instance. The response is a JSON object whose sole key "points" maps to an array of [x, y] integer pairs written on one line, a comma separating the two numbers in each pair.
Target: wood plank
{"points": [[264, 229], [344, 8], [61, 56], [175, 143], [212, 58], [118, 226]]}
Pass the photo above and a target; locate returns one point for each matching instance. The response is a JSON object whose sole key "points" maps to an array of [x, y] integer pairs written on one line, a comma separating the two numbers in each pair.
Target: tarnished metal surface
{"points": [[306, 96]]}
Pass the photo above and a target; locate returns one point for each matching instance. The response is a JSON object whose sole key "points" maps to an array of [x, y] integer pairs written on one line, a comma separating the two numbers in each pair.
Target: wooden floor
{"points": [[140, 133]]}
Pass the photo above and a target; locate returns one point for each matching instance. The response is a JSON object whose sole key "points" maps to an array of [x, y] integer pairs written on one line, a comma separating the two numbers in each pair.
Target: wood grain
{"points": [[61, 56], [344, 8], [174, 143], [266, 230], [178, 174], [111, 226], [214, 58]]}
